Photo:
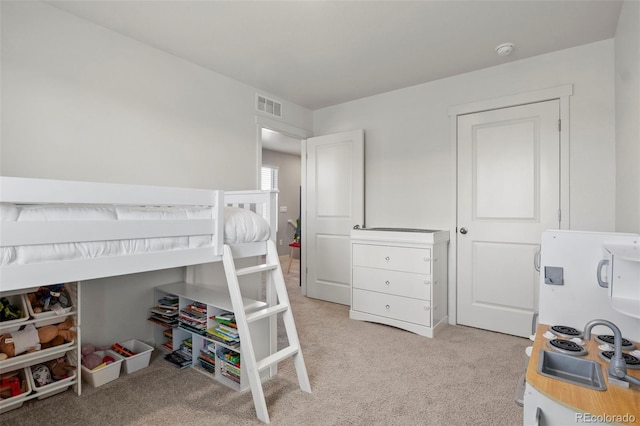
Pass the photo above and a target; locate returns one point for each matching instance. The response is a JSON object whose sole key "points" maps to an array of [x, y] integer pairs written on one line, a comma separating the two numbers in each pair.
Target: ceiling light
{"points": [[504, 49]]}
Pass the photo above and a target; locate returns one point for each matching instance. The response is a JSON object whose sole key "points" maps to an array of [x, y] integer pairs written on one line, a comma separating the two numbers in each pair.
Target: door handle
{"points": [[463, 231], [601, 282]]}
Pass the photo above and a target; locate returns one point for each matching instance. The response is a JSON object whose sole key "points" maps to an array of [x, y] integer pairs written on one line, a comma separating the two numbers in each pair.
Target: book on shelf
{"points": [[227, 329], [208, 367], [168, 301], [227, 318], [228, 356], [214, 334], [164, 312], [179, 359], [162, 322], [187, 327]]}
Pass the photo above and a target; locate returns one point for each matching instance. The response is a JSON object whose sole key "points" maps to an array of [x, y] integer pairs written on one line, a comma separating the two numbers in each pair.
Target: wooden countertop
{"points": [[615, 401]]}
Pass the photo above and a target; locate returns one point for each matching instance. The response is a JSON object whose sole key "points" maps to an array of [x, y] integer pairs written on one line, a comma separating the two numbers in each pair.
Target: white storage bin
{"points": [[14, 325], [17, 401], [57, 316], [104, 374], [141, 358], [52, 388]]}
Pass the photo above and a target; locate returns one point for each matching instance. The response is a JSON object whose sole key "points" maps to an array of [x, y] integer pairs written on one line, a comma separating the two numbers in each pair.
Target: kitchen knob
{"points": [[387, 282], [387, 306], [463, 231], [387, 258]]}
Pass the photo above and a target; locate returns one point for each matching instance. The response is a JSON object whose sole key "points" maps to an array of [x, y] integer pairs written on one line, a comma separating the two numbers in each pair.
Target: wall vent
{"points": [[268, 106]]}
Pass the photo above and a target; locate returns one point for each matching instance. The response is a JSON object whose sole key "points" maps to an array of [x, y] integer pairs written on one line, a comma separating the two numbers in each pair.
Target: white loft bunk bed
{"points": [[63, 231], [60, 231]]}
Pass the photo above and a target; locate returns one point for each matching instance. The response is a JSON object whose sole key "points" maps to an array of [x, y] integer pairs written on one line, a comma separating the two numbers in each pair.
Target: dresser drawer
{"points": [[396, 307], [416, 260], [417, 286]]}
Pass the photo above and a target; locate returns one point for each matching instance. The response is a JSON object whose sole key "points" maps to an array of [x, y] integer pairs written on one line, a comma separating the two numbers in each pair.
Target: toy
{"points": [[30, 338], [10, 387], [92, 360], [12, 384], [59, 368], [41, 375], [49, 298], [8, 311]]}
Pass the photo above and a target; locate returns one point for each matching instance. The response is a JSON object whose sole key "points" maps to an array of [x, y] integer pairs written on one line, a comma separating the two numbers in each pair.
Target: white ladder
{"points": [[243, 319]]}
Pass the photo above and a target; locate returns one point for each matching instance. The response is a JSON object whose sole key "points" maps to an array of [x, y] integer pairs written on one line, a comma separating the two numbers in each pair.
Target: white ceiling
{"points": [[321, 53]]}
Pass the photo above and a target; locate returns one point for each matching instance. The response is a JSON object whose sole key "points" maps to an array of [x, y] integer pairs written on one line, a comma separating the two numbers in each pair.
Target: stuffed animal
{"points": [[90, 359], [31, 338], [59, 368]]}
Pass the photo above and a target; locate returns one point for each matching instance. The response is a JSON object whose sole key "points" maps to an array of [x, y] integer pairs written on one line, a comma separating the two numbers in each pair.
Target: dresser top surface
{"points": [[400, 234]]}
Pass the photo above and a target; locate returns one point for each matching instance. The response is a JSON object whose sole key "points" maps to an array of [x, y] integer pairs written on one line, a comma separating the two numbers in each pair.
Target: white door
{"points": [[508, 193], [334, 203]]}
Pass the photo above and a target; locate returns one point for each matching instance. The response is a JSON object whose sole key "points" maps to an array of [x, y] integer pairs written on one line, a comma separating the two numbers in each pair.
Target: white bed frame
{"points": [[43, 191]]}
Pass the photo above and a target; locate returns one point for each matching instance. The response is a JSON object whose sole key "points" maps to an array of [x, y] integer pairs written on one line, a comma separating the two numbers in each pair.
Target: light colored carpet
{"points": [[361, 374]]}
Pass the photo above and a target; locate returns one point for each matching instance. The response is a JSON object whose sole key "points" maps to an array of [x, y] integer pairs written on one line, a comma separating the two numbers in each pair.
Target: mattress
{"points": [[241, 226]]}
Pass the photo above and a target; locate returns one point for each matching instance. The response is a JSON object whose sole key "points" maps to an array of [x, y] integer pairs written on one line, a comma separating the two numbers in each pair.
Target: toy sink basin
{"points": [[571, 369]]}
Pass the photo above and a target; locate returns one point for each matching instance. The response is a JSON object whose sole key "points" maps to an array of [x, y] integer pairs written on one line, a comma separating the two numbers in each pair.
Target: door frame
{"points": [[562, 93], [263, 122], [284, 128]]}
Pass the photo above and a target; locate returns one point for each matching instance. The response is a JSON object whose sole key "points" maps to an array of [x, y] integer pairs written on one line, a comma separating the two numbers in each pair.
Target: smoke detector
{"points": [[504, 49]]}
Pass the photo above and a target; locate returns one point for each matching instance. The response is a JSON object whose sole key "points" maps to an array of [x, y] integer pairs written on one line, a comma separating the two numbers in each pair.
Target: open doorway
{"points": [[280, 169]]}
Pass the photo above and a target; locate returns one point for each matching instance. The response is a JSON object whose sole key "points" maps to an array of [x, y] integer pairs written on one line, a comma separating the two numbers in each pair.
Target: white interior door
{"points": [[508, 193], [333, 197]]}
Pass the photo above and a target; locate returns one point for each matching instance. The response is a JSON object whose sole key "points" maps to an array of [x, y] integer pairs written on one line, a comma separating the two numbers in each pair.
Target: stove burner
{"points": [[608, 339], [565, 331], [632, 362], [566, 347]]}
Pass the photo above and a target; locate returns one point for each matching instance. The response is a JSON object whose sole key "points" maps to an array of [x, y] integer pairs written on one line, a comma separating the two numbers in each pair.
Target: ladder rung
{"points": [[281, 355], [254, 269], [266, 312]]}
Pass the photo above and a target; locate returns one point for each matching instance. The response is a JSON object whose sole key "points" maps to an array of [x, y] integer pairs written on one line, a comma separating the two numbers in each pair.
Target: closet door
{"points": [[508, 193]]}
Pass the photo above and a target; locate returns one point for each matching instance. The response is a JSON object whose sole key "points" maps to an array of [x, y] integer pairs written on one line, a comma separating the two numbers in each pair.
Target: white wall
{"points": [[627, 84], [407, 140], [81, 102]]}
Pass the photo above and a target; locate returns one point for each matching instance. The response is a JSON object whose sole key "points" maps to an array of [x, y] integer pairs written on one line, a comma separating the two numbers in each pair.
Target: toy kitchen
{"points": [[584, 365]]}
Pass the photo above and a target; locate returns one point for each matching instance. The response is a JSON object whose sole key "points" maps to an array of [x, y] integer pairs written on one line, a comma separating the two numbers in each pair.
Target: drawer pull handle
{"points": [[427, 282], [387, 282], [387, 258], [426, 259], [388, 307]]}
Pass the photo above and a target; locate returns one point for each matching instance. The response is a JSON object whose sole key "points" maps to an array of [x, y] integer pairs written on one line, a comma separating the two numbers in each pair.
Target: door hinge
{"points": [[559, 124]]}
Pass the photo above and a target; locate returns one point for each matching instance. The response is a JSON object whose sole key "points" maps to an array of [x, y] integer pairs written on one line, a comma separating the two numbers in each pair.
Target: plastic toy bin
{"points": [[53, 316], [13, 325], [141, 358], [102, 375], [53, 388]]}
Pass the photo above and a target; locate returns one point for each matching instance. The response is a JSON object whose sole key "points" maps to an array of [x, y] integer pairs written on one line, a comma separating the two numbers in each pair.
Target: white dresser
{"points": [[399, 278]]}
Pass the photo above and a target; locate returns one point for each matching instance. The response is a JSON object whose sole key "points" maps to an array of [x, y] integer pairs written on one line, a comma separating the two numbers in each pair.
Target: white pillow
{"points": [[244, 226]]}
